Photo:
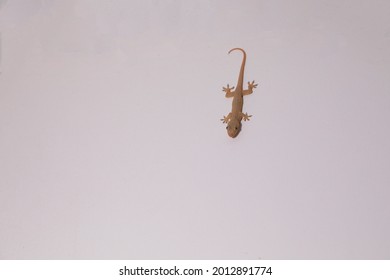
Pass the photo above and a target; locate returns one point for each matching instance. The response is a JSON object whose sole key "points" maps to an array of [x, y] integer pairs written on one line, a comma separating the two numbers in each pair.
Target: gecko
{"points": [[234, 118]]}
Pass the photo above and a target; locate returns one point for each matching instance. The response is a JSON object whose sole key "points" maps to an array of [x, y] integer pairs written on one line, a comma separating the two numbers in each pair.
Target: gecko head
{"points": [[233, 128]]}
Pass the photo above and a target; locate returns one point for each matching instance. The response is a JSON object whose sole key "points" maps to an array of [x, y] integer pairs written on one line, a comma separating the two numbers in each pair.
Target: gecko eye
{"points": [[235, 128]]}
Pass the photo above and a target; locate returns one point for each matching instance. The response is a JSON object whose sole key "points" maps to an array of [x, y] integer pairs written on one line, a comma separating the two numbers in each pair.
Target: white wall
{"points": [[111, 144]]}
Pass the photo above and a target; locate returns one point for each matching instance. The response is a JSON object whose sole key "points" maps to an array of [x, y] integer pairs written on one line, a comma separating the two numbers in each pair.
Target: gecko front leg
{"points": [[227, 118], [245, 116]]}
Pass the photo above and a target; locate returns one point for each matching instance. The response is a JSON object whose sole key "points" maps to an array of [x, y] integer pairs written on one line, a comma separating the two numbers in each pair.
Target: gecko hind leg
{"points": [[251, 86], [228, 90]]}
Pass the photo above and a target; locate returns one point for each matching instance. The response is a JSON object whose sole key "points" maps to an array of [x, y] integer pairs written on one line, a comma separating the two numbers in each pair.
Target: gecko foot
{"points": [[246, 116], [227, 89], [252, 85], [225, 119]]}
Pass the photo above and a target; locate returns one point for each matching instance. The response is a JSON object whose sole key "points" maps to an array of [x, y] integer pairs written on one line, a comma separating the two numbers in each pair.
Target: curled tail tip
{"points": [[234, 49]]}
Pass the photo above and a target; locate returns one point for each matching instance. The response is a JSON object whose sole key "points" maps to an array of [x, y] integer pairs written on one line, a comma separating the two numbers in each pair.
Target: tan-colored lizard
{"points": [[234, 118]]}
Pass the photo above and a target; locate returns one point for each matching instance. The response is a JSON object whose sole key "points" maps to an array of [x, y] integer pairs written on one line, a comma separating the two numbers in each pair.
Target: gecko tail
{"points": [[241, 75], [237, 49]]}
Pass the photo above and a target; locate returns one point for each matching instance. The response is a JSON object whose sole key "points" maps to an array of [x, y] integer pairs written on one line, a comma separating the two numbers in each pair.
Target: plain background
{"points": [[111, 145]]}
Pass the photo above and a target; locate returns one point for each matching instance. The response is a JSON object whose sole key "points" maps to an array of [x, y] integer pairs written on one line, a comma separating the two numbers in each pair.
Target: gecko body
{"points": [[234, 118]]}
